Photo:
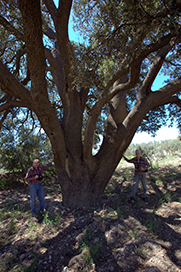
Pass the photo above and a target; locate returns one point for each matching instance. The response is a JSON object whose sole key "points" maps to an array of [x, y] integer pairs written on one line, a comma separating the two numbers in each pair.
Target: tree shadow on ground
{"points": [[113, 234], [79, 245], [160, 227]]}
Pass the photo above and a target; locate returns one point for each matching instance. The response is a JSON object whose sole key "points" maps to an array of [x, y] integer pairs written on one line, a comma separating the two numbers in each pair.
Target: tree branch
{"points": [[12, 104], [5, 98], [19, 54], [64, 10], [170, 100], [135, 64], [50, 5], [11, 86], [153, 71], [11, 28], [122, 70], [133, 79], [32, 23], [84, 90], [27, 78], [118, 107], [36, 99], [134, 68], [56, 70], [89, 132], [50, 33], [156, 98], [63, 39]]}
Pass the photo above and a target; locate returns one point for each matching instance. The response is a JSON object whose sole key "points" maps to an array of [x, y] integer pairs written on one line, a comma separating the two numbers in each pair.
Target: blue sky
{"points": [[165, 133]]}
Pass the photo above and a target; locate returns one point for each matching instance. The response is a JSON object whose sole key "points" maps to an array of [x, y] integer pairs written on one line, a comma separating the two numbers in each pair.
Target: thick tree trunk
{"points": [[82, 186], [78, 189], [80, 193]]}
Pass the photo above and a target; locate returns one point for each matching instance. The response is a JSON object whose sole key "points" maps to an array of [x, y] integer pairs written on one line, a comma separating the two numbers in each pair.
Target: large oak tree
{"points": [[107, 78]]}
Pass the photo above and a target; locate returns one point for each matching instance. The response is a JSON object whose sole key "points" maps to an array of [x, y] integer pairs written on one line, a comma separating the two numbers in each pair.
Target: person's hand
{"points": [[36, 177], [142, 169]]}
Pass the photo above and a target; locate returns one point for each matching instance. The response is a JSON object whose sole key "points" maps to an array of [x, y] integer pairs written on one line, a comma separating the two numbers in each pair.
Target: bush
{"points": [[155, 151], [18, 153]]}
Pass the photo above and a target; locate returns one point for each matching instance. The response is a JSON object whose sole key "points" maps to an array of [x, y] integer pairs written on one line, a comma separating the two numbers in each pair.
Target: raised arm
{"points": [[130, 161]]}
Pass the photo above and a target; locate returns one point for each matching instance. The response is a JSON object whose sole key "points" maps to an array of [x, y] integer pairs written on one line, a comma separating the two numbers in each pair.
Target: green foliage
{"points": [[33, 267], [153, 224], [139, 252], [34, 225], [109, 189], [132, 232], [155, 151], [87, 260], [113, 33], [3, 182], [127, 175], [107, 26], [54, 220], [20, 148], [89, 247], [12, 227], [166, 198], [88, 236], [154, 210]]}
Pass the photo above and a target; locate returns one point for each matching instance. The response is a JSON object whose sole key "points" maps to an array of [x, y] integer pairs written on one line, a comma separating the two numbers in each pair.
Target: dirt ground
{"points": [[113, 235]]}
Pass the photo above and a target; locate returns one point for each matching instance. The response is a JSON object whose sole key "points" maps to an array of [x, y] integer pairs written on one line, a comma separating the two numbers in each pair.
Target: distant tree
{"points": [[104, 84], [156, 151], [20, 148]]}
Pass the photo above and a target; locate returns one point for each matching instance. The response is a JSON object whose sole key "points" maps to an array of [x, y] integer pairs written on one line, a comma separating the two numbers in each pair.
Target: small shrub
{"points": [[155, 165], [57, 219], [119, 212], [87, 260], [153, 225], [32, 268], [154, 210], [3, 182], [12, 227], [109, 190], [165, 198], [140, 253], [153, 179], [168, 197], [32, 226], [132, 232], [89, 245], [54, 220], [88, 236]]}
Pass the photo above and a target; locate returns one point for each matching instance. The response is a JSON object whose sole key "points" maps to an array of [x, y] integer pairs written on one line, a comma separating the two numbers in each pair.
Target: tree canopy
{"points": [[102, 84]]}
